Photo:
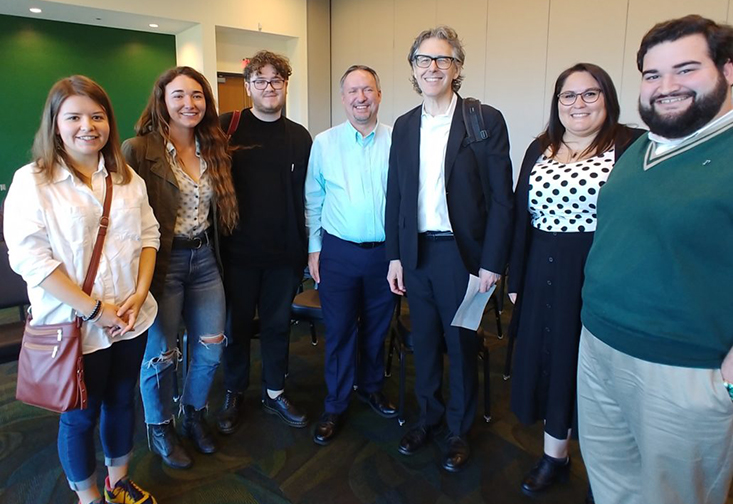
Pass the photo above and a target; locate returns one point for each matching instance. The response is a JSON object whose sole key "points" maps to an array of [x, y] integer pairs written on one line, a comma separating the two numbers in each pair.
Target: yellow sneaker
{"points": [[126, 492]]}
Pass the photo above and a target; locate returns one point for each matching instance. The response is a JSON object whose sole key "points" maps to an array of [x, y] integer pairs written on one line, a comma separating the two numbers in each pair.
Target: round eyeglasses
{"points": [[588, 96], [424, 61], [261, 84]]}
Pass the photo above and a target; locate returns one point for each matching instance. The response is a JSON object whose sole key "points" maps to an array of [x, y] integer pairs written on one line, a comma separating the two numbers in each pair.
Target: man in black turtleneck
{"points": [[265, 256]]}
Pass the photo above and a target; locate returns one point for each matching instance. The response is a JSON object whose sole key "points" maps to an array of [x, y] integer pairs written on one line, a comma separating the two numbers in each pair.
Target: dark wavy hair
{"points": [[719, 37], [281, 64], [611, 131], [213, 142], [443, 33], [48, 148]]}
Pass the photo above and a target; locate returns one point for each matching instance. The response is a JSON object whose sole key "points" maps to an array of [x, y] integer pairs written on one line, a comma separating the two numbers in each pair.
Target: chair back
{"points": [[13, 292]]}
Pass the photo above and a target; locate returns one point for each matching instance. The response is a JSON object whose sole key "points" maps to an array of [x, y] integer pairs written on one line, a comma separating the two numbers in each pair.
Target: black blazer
{"points": [[522, 222], [478, 187]]}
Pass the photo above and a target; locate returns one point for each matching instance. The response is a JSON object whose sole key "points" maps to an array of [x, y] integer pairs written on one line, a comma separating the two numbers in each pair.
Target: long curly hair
{"points": [[48, 148], [213, 142]]}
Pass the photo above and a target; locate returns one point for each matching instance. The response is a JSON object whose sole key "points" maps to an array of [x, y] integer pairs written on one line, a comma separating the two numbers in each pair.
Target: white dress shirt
{"points": [[432, 204], [54, 224]]}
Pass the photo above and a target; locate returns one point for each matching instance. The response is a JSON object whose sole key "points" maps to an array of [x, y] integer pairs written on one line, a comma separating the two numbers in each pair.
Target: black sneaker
{"points": [[286, 410]]}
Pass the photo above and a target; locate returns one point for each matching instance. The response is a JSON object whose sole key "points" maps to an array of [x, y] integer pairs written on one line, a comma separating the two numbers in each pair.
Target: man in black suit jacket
{"points": [[449, 213]]}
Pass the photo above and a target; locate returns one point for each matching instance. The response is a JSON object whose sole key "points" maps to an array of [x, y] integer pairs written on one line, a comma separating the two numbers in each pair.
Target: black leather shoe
{"points": [[457, 454], [327, 428], [379, 403], [227, 420], [286, 410], [546, 472], [163, 441], [415, 439], [195, 428]]}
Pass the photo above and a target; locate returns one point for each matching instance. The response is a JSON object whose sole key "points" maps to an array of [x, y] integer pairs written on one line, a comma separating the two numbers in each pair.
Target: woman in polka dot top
{"points": [[562, 173]]}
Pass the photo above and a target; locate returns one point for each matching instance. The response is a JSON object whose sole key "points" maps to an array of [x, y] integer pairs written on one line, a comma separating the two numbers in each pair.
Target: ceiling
{"points": [[98, 17]]}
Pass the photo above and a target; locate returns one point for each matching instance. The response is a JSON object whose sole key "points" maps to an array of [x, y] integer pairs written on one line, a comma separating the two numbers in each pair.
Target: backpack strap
{"points": [[474, 121], [234, 123]]}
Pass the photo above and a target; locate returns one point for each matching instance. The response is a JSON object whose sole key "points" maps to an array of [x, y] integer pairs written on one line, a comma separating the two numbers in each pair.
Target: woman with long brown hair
{"points": [[182, 154], [52, 218]]}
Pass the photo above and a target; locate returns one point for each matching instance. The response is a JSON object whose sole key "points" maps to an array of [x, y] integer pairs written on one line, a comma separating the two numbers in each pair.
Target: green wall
{"points": [[36, 53]]}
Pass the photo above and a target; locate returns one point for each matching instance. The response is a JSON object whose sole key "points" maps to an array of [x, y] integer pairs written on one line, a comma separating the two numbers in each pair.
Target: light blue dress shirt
{"points": [[346, 184]]}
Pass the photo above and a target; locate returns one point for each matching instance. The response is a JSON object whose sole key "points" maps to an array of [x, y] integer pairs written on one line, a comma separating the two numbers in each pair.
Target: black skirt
{"points": [[548, 331]]}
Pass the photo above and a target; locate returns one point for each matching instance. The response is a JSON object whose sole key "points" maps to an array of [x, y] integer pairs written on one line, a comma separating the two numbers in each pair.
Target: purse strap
{"points": [[103, 225], [234, 123]]}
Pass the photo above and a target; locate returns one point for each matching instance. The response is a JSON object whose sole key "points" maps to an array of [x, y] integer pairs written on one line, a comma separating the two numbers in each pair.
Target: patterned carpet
{"points": [[268, 462]]}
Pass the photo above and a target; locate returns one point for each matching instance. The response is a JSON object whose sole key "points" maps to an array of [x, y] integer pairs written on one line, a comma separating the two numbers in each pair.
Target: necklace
{"points": [[573, 155]]}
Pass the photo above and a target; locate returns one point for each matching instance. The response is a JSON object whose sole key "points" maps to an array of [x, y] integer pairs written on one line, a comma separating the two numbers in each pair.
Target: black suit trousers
{"points": [[435, 289]]}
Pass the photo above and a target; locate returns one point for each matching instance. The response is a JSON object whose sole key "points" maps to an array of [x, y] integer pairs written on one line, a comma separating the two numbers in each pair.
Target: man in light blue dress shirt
{"points": [[345, 194]]}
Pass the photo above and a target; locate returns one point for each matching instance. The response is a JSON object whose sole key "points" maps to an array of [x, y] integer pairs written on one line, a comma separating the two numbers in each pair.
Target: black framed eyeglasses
{"points": [[424, 61], [261, 84], [588, 96]]}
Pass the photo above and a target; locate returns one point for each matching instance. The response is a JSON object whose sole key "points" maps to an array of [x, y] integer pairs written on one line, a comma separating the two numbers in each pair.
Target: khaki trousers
{"points": [[652, 433]]}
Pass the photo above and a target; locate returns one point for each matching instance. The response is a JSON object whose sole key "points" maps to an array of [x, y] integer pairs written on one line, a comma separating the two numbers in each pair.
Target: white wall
{"points": [[262, 24], [514, 48]]}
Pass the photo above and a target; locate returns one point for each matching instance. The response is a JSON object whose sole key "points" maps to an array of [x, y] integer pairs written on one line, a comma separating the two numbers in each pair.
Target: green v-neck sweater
{"points": [[659, 277]]}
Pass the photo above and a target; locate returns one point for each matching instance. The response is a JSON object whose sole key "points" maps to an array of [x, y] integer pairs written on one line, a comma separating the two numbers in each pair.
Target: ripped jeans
{"points": [[193, 290]]}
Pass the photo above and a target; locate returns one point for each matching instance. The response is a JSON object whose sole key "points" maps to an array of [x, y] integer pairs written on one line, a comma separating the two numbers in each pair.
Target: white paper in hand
{"points": [[472, 308]]}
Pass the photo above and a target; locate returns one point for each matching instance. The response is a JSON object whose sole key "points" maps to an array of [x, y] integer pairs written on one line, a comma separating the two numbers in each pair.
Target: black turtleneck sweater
{"points": [[268, 170]]}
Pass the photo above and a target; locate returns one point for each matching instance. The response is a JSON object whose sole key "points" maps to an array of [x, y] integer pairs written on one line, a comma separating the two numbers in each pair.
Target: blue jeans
{"points": [[193, 289], [110, 376]]}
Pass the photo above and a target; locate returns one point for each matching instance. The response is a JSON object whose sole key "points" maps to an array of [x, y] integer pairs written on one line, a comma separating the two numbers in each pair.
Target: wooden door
{"points": [[232, 95]]}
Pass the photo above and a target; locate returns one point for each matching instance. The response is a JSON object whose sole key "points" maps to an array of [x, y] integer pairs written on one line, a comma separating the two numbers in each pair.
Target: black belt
{"points": [[198, 241], [368, 245], [436, 235]]}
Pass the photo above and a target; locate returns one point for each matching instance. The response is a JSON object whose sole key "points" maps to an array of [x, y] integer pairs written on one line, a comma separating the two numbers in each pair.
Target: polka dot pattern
{"points": [[563, 196], [194, 201]]}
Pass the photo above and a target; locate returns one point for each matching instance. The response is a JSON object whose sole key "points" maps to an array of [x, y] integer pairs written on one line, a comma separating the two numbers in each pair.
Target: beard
{"points": [[703, 109]]}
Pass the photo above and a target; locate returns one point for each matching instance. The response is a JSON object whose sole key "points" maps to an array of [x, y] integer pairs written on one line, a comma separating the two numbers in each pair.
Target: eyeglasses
{"points": [[424, 61], [261, 84], [589, 96]]}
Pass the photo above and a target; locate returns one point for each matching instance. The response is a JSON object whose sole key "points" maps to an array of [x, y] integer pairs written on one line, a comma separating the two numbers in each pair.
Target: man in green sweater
{"points": [[655, 403]]}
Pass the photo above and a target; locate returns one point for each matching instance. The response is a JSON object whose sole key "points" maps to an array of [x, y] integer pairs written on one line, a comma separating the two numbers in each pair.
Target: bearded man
{"points": [[655, 400]]}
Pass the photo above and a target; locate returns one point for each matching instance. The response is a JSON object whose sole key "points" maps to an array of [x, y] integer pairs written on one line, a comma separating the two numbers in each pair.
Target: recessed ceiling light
{"points": [[35, 10], [153, 25]]}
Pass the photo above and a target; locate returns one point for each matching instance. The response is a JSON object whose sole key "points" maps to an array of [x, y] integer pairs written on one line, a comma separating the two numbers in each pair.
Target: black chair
{"points": [[12, 294], [306, 307], [400, 339]]}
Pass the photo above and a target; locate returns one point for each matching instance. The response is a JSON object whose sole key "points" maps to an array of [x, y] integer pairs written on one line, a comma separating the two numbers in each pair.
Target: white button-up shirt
{"points": [[54, 224], [432, 204]]}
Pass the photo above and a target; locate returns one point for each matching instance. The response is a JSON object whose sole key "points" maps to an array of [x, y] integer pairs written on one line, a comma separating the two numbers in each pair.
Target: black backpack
{"points": [[474, 122]]}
